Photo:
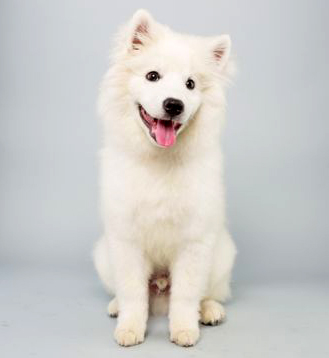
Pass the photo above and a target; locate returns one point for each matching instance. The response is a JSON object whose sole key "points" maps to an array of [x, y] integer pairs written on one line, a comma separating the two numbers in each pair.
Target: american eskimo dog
{"points": [[165, 246]]}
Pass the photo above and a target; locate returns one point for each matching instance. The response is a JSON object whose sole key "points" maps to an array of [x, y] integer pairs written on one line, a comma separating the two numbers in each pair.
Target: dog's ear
{"points": [[142, 29], [221, 49]]}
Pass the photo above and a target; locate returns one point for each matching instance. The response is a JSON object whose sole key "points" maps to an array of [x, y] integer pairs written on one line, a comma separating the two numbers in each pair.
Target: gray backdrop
{"points": [[52, 57]]}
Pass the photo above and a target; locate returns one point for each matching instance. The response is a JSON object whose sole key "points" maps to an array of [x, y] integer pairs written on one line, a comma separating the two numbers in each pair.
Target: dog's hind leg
{"points": [[212, 311], [112, 308], [222, 263], [101, 257]]}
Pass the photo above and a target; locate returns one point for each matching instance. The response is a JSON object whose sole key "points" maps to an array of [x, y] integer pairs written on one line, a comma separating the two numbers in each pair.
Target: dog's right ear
{"points": [[142, 29]]}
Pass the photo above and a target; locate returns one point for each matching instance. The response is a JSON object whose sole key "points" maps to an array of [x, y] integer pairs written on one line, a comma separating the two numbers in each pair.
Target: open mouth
{"points": [[163, 131]]}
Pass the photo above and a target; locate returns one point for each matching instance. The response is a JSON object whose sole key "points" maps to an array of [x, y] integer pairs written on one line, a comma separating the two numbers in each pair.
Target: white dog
{"points": [[165, 243]]}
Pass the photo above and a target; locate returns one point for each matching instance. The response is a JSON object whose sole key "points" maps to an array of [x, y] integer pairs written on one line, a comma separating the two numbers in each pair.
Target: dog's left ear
{"points": [[142, 29], [221, 49]]}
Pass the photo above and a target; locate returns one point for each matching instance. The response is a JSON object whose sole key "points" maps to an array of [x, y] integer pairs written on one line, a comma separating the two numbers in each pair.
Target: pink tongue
{"points": [[164, 132]]}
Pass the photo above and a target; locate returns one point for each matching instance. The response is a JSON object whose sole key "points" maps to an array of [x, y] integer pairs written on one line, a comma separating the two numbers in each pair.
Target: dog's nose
{"points": [[173, 106]]}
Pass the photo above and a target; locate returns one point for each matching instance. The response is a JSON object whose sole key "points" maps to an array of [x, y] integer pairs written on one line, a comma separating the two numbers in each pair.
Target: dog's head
{"points": [[168, 74]]}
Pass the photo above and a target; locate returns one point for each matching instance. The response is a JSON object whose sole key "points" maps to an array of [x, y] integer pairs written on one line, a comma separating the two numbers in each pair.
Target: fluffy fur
{"points": [[163, 208]]}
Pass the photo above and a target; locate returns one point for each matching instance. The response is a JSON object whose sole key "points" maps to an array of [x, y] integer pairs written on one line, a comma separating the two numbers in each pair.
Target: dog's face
{"points": [[168, 75], [165, 89]]}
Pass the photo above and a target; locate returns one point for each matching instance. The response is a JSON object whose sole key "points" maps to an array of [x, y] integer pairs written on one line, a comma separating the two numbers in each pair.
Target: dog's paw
{"points": [[128, 337], [112, 308], [212, 313], [185, 338]]}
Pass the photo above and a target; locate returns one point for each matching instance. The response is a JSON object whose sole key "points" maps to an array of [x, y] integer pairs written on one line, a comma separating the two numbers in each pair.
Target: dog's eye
{"points": [[153, 76], [190, 84]]}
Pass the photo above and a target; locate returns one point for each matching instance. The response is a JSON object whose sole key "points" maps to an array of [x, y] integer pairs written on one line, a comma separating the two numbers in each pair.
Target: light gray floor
{"points": [[51, 313]]}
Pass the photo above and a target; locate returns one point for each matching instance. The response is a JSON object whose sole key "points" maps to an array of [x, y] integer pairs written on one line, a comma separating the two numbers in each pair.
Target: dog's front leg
{"points": [[131, 279], [189, 275]]}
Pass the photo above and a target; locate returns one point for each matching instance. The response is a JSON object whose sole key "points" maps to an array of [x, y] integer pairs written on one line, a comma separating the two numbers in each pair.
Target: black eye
{"points": [[190, 84], [153, 76]]}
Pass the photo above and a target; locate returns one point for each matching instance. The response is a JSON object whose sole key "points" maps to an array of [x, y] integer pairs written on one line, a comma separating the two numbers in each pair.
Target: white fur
{"points": [[163, 208]]}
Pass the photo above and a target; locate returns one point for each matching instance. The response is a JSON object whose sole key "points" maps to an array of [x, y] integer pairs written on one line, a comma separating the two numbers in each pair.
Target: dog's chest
{"points": [[162, 210], [161, 206], [161, 201]]}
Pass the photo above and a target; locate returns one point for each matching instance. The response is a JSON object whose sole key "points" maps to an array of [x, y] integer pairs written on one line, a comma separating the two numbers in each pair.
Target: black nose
{"points": [[173, 106]]}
